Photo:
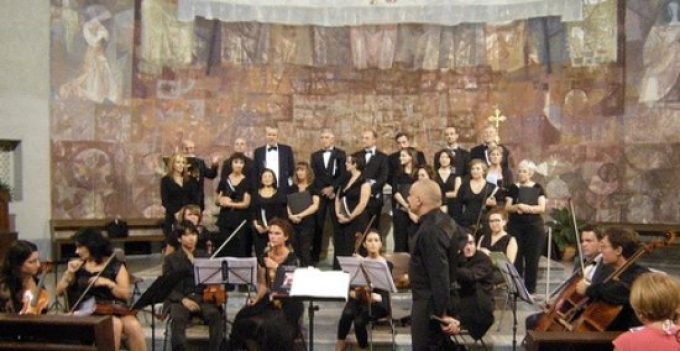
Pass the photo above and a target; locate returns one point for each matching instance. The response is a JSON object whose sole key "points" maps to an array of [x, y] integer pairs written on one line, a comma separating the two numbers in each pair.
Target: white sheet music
{"points": [[311, 282], [378, 272], [240, 270]]}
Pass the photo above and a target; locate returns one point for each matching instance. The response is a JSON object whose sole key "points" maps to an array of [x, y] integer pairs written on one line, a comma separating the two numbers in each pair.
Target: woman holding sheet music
{"points": [[525, 202], [266, 323], [497, 173], [268, 203], [475, 195], [234, 201], [350, 207], [303, 202], [356, 309]]}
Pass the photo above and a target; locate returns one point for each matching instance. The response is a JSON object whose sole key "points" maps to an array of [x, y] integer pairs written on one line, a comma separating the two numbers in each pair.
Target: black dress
{"points": [[267, 208], [453, 206], [344, 239], [175, 196], [101, 294], [528, 230], [230, 218], [271, 327], [304, 231], [473, 203], [475, 305], [403, 226]]}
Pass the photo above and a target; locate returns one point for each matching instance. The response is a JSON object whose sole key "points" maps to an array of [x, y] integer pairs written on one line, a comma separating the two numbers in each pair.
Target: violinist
{"points": [[18, 275], [617, 246], [265, 323], [110, 287], [186, 298], [356, 309]]}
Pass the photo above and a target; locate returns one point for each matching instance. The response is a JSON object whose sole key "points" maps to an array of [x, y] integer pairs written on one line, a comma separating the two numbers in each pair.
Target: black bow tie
{"points": [[369, 152], [327, 150], [272, 148]]}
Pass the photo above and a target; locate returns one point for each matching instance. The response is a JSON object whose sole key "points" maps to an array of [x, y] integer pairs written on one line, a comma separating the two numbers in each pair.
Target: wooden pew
{"points": [[563, 341], [56, 332], [141, 230]]}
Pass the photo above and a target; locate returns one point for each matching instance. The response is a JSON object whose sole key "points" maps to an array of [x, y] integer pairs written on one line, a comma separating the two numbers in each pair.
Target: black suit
{"points": [[480, 152], [286, 166], [376, 173], [325, 177], [461, 160], [176, 263], [394, 164]]}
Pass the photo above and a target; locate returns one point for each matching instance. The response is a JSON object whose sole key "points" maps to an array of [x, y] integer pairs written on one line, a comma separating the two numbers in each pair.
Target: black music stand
{"points": [[370, 274], [517, 290], [314, 285], [156, 293]]}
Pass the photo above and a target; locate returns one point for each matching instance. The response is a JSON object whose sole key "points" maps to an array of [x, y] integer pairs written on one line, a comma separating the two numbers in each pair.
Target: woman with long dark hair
{"points": [[268, 203], [304, 221], [19, 269], [401, 183], [350, 207], [234, 200]]}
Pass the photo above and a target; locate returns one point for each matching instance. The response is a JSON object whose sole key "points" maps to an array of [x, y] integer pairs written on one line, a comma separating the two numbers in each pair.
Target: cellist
{"points": [[17, 275], [98, 274], [616, 247]]}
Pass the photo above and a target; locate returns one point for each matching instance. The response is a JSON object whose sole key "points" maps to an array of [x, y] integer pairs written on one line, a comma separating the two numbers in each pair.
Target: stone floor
{"points": [[499, 337]]}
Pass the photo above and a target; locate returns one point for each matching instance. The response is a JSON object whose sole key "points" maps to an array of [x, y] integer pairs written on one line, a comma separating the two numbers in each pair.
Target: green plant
{"points": [[563, 228], [7, 189]]}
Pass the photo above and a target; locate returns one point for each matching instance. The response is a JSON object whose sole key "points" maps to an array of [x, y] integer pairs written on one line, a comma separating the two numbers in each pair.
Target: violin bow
{"points": [[231, 236], [115, 253], [357, 245], [578, 239]]}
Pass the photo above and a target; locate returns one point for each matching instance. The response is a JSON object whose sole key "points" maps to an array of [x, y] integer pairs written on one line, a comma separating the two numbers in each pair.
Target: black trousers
{"points": [[326, 208], [357, 313], [530, 238], [426, 334], [209, 313], [401, 225]]}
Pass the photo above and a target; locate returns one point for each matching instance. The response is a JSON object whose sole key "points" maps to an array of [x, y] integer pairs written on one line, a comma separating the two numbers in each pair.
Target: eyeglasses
{"points": [[495, 220]]}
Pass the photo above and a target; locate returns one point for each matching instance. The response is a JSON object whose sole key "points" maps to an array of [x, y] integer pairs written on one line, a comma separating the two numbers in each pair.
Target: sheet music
{"points": [[378, 272], [311, 282], [239, 270]]}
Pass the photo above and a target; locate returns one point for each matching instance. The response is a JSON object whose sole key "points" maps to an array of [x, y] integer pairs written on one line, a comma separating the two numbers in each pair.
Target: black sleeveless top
{"points": [[101, 294], [352, 195], [500, 246]]}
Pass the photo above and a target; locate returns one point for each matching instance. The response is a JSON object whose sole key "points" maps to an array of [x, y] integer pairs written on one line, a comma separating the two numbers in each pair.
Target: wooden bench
{"points": [[142, 231], [56, 332]]}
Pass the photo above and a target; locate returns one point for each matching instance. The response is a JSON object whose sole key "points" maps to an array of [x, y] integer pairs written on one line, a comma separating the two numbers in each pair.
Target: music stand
{"points": [[312, 284], [517, 290], [370, 274], [226, 270], [157, 292]]}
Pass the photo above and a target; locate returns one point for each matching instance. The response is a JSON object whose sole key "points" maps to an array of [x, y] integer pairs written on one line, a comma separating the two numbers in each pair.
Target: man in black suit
{"points": [[328, 165], [186, 298], [376, 173], [432, 269], [199, 169], [461, 157], [240, 147], [403, 141], [481, 151], [277, 157]]}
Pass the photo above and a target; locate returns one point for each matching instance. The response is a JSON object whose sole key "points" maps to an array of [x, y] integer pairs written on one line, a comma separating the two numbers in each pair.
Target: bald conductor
{"points": [[432, 269]]}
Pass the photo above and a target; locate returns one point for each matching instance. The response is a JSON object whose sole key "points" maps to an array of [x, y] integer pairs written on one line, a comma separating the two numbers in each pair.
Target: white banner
{"points": [[335, 13]]}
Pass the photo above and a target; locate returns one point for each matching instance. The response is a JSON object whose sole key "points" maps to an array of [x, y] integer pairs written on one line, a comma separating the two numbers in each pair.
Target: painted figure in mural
{"points": [[97, 80], [165, 41], [661, 49]]}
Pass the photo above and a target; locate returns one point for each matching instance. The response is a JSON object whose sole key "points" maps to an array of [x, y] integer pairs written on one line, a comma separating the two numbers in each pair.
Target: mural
{"points": [[129, 82]]}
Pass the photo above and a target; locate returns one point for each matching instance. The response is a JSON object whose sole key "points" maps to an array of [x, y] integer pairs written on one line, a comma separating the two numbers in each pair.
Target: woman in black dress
{"points": [[268, 203], [498, 240], [446, 178], [475, 195], [304, 222], [497, 174], [401, 183], [234, 201], [356, 308], [178, 189], [350, 208], [266, 324], [525, 202]]}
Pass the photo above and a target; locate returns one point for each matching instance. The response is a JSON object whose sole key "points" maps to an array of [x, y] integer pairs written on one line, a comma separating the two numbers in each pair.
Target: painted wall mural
{"points": [[129, 82]]}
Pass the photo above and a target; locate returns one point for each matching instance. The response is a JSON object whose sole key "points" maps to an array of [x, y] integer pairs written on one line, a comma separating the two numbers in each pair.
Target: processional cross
{"points": [[497, 118]]}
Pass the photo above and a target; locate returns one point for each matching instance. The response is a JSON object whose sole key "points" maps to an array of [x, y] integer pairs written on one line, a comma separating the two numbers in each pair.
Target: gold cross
{"points": [[497, 118]]}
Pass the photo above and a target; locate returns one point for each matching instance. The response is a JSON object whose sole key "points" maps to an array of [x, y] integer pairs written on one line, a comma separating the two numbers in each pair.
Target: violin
{"points": [[363, 295], [215, 293], [35, 302], [113, 309]]}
